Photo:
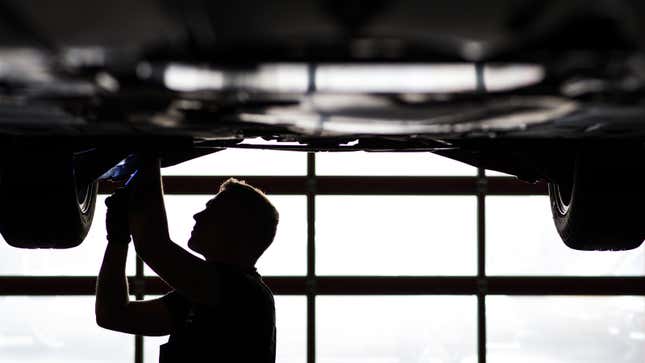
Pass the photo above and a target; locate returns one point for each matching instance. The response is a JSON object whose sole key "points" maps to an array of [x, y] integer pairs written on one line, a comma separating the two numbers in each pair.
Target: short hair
{"points": [[253, 207]]}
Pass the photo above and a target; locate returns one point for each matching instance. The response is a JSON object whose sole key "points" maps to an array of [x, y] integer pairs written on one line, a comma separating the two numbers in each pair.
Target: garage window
{"points": [[380, 257], [57, 329], [390, 164], [396, 329], [396, 235], [566, 329], [522, 240]]}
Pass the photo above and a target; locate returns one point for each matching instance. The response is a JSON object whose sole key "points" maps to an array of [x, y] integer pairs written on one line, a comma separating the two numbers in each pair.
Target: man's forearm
{"points": [[148, 220], [112, 286]]}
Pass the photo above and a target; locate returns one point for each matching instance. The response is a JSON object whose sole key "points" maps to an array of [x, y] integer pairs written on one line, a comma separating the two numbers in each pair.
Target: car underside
{"points": [[548, 91]]}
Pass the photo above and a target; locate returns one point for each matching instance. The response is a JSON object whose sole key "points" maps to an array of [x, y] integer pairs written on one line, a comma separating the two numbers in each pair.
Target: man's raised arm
{"points": [[148, 222], [184, 272], [113, 308]]}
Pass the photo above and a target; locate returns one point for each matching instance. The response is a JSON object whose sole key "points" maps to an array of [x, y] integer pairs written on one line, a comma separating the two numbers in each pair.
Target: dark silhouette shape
{"points": [[219, 310]]}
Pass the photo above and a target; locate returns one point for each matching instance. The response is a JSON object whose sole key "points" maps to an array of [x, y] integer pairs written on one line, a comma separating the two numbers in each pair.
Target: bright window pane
{"points": [[58, 329], [84, 260], [393, 329], [395, 235], [243, 162], [497, 173], [366, 163], [286, 256], [291, 326], [151, 348], [288, 252], [565, 329], [522, 240]]}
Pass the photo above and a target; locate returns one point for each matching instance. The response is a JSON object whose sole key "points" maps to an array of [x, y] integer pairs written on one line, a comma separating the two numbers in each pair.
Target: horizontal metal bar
{"points": [[492, 285], [210, 184], [352, 185], [279, 285], [50, 285], [489, 285], [396, 285], [512, 186], [356, 285], [86, 285], [566, 285]]}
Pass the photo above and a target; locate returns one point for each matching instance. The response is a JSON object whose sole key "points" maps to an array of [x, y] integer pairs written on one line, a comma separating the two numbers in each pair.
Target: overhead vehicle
{"points": [[545, 90]]}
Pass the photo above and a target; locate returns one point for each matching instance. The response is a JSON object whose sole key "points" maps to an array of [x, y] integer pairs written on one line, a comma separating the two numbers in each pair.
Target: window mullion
{"points": [[481, 264]]}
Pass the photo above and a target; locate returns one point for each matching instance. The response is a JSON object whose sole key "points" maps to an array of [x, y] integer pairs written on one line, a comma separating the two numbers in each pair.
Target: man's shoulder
{"points": [[244, 283], [236, 275]]}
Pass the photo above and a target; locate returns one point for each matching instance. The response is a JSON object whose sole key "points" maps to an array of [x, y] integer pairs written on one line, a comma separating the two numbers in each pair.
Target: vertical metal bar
{"points": [[311, 328], [311, 258], [311, 77], [479, 74], [481, 265], [481, 327], [139, 295], [482, 283]]}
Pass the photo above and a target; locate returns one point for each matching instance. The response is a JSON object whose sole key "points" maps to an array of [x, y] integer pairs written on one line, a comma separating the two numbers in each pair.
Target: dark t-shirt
{"points": [[238, 327]]}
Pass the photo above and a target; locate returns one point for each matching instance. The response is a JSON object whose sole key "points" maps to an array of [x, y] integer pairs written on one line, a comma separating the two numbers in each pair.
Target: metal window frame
{"points": [[311, 285]]}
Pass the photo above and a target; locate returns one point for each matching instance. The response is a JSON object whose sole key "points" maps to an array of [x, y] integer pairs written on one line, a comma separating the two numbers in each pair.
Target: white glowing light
{"points": [[353, 78], [183, 78], [283, 78], [391, 78], [508, 77]]}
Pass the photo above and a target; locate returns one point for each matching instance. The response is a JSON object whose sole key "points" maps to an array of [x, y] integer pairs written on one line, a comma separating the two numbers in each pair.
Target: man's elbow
{"points": [[102, 318], [108, 319]]}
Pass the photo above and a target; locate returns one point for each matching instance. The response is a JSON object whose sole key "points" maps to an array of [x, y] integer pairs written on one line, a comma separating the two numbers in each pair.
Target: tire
{"points": [[41, 204], [600, 207]]}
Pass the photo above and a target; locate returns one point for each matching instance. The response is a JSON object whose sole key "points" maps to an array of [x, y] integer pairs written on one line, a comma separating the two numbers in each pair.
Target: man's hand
{"points": [[116, 220], [143, 187], [147, 213]]}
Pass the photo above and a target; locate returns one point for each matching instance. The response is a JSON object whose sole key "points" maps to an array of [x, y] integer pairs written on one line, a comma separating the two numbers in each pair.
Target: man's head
{"points": [[236, 226]]}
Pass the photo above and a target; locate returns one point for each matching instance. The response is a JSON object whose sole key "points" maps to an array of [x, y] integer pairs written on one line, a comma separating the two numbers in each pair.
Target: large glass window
{"points": [[382, 163], [451, 275], [395, 329], [232, 162], [395, 235], [58, 329], [521, 239], [566, 329]]}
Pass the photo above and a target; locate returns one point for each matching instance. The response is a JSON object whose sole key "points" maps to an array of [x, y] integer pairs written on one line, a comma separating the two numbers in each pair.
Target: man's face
{"points": [[205, 229]]}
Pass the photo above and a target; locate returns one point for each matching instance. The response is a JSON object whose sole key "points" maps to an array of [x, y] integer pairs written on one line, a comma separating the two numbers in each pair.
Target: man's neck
{"points": [[242, 265]]}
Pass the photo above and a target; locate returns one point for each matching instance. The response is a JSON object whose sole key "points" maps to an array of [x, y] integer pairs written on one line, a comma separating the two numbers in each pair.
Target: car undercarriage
{"points": [[548, 91]]}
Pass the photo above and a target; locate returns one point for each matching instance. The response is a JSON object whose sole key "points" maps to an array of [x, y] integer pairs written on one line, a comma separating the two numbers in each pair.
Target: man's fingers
{"points": [[118, 198], [116, 220]]}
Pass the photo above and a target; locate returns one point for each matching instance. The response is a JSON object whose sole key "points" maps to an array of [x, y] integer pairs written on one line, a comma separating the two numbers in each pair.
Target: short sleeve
{"points": [[178, 306]]}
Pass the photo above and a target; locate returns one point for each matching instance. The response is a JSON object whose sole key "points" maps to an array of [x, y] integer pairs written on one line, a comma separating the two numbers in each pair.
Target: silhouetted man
{"points": [[219, 310]]}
